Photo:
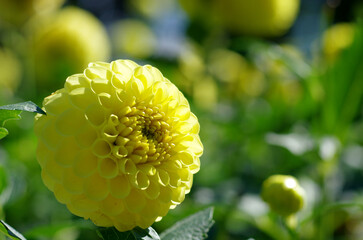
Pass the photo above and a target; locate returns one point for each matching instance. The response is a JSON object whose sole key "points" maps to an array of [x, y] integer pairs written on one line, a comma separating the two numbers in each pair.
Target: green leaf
{"points": [[12, 112], [343, 88], [28, 106], [3, 179], [49, 230], [3, 132], [6, 115], [10, 232], [193, 227], [135, 234], [145, 234]]}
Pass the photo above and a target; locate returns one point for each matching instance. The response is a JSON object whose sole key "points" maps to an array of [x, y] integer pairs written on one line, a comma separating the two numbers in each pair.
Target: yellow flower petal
{"points": [[70, 122], [95, 187], [107, 168], [82, 203], [85, 163], [135, 201], [120, 187], [61, 194], [71, 182], [66, 152], [111, 206]]}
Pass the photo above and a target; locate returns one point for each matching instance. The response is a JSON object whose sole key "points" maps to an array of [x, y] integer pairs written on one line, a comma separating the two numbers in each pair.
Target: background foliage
{"points": [[285, 104]]}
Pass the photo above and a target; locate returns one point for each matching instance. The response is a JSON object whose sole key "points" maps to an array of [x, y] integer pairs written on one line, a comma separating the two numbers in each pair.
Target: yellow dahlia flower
{"points": [[65, 43], [118, 145]]}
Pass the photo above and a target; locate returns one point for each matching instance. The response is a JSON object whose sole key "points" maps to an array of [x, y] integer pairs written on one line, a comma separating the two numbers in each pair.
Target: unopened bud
{"points": [[283, 194]]}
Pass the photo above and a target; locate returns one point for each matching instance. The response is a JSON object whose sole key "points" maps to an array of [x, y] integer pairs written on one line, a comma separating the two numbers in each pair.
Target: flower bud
{"points": [[283, 194]]}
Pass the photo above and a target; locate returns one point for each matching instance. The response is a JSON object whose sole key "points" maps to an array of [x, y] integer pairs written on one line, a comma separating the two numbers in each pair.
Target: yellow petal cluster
{"points": [[118, 145], [283, 194]]}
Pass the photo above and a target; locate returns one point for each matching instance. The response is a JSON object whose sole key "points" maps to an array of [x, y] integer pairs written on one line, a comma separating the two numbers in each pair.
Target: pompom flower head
{"points": [[118, 145]]}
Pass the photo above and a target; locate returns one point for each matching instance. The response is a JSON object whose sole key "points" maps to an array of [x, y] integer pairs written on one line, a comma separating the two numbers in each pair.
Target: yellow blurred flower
{"points": [[10, 69], [194, 78], [191, 68], [241, 78], [251, 82], [65, 43], [226, 65], [152, 8], [118, 145], [19, 11], [283, 194], [133, 38], [205, 93], [283, 66], [257, 17], [199, 10], [337, 38], [191, 62]]}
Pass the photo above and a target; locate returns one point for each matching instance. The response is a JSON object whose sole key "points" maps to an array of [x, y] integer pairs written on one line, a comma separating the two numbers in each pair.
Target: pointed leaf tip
{"points": [[28, 106], [3, 132], [195, 226], [10, 232], [145, 234]]}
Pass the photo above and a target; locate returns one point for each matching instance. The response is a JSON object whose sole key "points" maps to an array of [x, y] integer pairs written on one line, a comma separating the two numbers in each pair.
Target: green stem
{"points": [[289, 224]]}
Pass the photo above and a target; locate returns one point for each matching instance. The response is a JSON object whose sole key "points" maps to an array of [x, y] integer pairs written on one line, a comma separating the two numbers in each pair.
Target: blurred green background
{"points": [[277, 87]]}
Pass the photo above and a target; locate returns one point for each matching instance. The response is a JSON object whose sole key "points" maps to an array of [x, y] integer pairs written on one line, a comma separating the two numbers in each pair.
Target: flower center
{"points": [[148, 133], [139, 133]]}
